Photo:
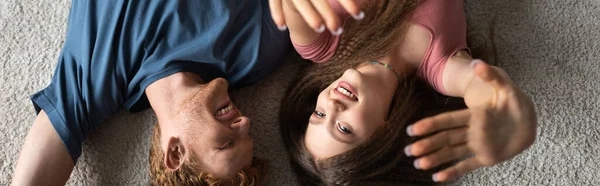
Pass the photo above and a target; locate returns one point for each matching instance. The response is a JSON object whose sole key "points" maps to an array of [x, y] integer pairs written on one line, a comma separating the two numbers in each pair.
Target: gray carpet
{"points": [[550, 48]]}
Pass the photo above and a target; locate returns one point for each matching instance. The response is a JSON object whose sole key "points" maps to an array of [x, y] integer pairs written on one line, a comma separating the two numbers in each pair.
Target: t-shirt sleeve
{"points": [[432, 72], [319, 50], [446, 23], [88, 84], [77, 100]]}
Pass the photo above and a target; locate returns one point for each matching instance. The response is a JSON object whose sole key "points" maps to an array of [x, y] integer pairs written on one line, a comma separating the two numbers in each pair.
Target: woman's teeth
{"points": [[224, 110], [345, 92]]}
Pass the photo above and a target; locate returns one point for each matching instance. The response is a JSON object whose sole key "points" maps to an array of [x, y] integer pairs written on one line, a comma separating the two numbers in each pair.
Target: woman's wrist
{"points": [[477, 92]]}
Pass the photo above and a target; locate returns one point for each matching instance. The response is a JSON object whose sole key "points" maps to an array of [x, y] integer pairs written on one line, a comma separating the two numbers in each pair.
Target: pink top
{"points": [[443, 19]]}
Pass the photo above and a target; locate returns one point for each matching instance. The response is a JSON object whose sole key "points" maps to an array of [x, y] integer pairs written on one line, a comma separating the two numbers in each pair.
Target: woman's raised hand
{"points": [[479, 136], [318, 14]]}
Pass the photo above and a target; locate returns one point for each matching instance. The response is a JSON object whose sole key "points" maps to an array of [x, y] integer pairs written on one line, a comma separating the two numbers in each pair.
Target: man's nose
{"points": [[241, 125], [336, 105], [218, 86]]}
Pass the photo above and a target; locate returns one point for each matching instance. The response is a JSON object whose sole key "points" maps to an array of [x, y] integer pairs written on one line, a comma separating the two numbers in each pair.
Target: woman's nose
{"points": [[336, 105], [241, 124]]}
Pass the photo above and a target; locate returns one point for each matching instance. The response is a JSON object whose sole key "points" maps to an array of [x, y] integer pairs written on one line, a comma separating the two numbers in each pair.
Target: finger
{"points": [[352, 8], [310, 15], [488, 74], [442, 156], [443, 139], [327, 14], [457, 170], [277, 14], [447, 120]]}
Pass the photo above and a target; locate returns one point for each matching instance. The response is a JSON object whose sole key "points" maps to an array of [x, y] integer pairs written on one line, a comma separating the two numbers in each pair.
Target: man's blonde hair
{"points": [[188, 173]]}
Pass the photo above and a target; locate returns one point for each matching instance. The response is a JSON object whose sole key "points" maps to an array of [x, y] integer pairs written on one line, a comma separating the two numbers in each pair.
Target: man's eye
{"points": [[343, 129], [319, 114], [229, 144]]}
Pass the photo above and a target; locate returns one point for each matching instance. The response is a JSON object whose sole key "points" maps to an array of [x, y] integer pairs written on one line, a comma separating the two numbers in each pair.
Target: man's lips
{"points": [[227, 112]]}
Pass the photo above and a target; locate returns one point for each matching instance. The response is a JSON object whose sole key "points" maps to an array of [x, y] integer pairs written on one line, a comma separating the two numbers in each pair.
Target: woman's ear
{"points": [[174, 155]]}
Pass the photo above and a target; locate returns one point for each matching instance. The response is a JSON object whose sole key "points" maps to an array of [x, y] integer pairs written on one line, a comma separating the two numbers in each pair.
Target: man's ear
{"points": [[174, 154]]}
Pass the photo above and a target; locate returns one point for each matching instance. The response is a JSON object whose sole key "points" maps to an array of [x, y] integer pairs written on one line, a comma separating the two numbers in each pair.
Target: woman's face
{"points": [[348, 112]]}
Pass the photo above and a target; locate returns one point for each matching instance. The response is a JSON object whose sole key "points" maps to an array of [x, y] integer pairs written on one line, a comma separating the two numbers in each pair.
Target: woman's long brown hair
{"points": [[381, 158]]}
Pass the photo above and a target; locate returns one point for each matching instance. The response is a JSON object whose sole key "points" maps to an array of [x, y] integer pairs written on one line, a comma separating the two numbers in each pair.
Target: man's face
{"points": [[215, 131]]}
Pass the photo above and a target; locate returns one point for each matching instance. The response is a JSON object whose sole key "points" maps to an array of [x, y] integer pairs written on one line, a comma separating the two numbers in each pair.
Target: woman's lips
{"points": [[346, 91], [349, 87], [343, 94]]}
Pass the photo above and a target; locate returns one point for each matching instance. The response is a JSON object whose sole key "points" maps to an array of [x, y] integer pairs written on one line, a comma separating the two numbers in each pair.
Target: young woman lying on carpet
{"points": [[352, 117]]}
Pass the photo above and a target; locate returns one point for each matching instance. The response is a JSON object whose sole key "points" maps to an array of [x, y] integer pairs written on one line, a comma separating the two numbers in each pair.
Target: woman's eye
{"points": [[343, 129], [319, 114]]}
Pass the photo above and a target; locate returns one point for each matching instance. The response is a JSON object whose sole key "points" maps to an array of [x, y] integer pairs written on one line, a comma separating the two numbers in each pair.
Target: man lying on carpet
{"points": [[168, 55]]}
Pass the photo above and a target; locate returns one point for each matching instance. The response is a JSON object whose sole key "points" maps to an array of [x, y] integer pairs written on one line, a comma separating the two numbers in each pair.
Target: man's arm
{"points": [[44, 159]]}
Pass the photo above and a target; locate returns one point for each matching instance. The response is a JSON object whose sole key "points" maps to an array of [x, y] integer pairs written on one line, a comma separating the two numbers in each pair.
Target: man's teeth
{"points": [[225, 110], [345, 92]]}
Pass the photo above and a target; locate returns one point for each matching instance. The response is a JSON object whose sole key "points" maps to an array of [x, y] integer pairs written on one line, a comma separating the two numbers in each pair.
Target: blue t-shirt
{"points": [[114, 49]]}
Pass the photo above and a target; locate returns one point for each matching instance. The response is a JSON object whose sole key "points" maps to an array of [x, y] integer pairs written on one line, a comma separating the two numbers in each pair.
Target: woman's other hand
{"points": [[482, 135], [318, 14]]}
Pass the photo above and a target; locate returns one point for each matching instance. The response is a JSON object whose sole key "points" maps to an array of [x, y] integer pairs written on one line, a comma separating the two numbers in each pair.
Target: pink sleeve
{"points": [[433, 73], [445, 21], [320, 50]]}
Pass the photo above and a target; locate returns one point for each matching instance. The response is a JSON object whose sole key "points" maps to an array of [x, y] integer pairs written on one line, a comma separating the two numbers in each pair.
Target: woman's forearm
{"points": [[478, 92], [460, 80], [300, 32]]}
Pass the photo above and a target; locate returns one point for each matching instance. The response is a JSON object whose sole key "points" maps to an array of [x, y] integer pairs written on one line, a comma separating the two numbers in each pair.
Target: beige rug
{"points": [[550, 48]]}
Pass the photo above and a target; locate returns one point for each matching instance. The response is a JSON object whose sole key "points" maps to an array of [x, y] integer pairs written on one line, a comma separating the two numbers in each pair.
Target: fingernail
{"points": [[474, 62], [409, 131], [359, 16], [416, 164], [435, 177], [407, 151], [321, 29], [282, 28], [338, 32]]}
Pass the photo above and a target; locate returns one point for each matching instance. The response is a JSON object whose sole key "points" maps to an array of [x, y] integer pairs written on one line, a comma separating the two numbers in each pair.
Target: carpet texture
{"points": [[551, 48]]}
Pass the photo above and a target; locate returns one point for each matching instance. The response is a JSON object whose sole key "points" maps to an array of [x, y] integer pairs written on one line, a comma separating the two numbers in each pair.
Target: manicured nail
{"points": [[435, 177], [282, 28], [416, 164], [359, 16], [474, 62], [338, 32], [407, 151], [321, 29], [409, 131]]}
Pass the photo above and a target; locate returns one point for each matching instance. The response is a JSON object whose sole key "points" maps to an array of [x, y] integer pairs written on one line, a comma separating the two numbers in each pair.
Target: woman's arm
{"points": [[44, 159], [306, 20], [300, 31], [459, 80], [499, 123]]}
